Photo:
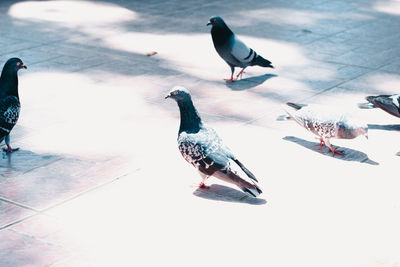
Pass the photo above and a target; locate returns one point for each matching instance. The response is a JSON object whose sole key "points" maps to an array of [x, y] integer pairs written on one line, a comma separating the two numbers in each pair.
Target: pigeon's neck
{"points": [[190, 118], [221, 34], [9, 83]]}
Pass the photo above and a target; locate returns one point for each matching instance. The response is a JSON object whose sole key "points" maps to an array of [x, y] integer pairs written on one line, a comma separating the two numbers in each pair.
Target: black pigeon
{"points": [[203, 148], [232, 50], [9, 99], [388, 103]]}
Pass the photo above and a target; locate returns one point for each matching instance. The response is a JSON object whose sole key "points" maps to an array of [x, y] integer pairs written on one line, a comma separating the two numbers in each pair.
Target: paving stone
{"points": [[98, 151], [21, 250]]}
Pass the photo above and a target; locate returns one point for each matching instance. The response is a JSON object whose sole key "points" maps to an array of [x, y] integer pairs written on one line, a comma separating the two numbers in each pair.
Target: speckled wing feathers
{"points": [[205, 151], [9, 113]]}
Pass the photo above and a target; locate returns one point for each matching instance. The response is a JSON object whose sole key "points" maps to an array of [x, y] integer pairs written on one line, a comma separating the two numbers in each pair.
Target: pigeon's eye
{"points": [[175, 92], [18, 63], [214, 20]]}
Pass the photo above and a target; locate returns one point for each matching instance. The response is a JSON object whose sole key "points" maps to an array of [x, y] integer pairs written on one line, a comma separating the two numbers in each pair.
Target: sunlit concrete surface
{"points": [[99, 180]]}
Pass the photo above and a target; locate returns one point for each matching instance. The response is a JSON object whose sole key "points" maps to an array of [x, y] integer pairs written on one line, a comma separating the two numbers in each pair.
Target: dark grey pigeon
{"points": [[388, 103], [9, 99], [233, 50], [327, 123], [203, 148]]}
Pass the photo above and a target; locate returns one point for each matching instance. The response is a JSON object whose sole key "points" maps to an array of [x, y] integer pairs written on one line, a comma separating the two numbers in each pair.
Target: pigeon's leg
{"points": [[9, 149], [232, 71], [333, 150], [240, 74], [204, 177], [321, 143]]}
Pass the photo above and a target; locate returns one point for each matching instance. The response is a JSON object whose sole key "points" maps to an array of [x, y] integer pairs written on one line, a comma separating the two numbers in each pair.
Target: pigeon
{"points": [[327, 123], [233, 50], [388, 103], [9, 99], [203, 148]]}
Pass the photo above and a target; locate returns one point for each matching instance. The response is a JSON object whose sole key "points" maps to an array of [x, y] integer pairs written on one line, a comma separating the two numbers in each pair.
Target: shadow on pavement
{"points": [[22, 161], [388, 127], [248, 83], [349, 154], [227, 194]]}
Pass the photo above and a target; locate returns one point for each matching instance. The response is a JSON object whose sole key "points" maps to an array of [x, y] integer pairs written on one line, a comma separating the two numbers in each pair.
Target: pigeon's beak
{"points": [[208, 24], [23, 66], [168, 96]]}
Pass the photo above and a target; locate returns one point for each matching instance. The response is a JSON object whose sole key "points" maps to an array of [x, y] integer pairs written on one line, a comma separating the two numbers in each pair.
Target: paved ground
{"points": [[99, 180]]}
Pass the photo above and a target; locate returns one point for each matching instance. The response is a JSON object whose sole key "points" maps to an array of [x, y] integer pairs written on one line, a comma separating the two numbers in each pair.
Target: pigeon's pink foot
{"points": [[230, 79], [240, 74], [321, 142], [9, 149], [202, 185], [335, 151]]}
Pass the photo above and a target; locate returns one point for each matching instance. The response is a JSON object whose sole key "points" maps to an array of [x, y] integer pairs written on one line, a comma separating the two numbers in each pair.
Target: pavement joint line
{"points": [[337, 85], [37, 167], [37, 212], [9, 201], [88, 191], [17, 221]]}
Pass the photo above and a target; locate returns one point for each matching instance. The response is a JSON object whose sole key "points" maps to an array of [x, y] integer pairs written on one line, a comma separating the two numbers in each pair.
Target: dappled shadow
{"points": [[22, 161], [248, 83], [349, 154], [227, 194], [388, 127]]}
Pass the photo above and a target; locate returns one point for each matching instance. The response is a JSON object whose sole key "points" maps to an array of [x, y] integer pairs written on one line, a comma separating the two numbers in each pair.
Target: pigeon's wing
{"points": [[312, 121], [204, 150], [241, 52], [9, 113], [389, 103]]}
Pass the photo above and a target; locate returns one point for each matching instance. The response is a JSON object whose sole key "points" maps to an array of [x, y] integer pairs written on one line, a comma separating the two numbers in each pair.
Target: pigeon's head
{"points": [[349, 130], [178, 93], [216, 21], [14, 64]]}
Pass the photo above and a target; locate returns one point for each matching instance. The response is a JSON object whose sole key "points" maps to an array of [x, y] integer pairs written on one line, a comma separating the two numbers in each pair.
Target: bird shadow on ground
{"points": [[227, 194], [248, 83], [389, 127], [349, 154], [21, 161]]}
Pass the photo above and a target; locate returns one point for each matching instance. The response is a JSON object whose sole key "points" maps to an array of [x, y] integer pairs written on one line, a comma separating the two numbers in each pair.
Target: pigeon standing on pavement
{"points": [[388, 103], [9, 99], [327, 123], [232, 50], [203, 148]]}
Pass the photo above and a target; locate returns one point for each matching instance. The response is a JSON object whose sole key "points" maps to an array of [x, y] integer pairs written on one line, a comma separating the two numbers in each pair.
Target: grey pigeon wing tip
{"points": [[366, 106]]}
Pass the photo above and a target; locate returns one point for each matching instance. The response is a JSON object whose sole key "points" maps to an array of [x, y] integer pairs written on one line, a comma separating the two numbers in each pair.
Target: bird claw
{"points": [[10, 150], [230, 79], [202, 185], [336, 151]]}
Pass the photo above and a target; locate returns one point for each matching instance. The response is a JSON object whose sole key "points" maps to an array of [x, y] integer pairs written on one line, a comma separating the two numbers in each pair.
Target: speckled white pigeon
{"points": [[388, 103], [9, 99], [203, 148], [327, 123]]}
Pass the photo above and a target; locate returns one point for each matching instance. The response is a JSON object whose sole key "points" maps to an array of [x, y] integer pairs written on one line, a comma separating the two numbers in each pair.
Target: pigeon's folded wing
{"points": [[389, 103], [204, 150], [240, 51], [9, 113]]}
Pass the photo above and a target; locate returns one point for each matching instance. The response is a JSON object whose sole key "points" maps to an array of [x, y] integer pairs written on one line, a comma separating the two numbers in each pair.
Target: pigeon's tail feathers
{"points": [[366, 105], [252, 192], [260, 61], [250, 188], [370, 98], [246, 171], [295, 106]]}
